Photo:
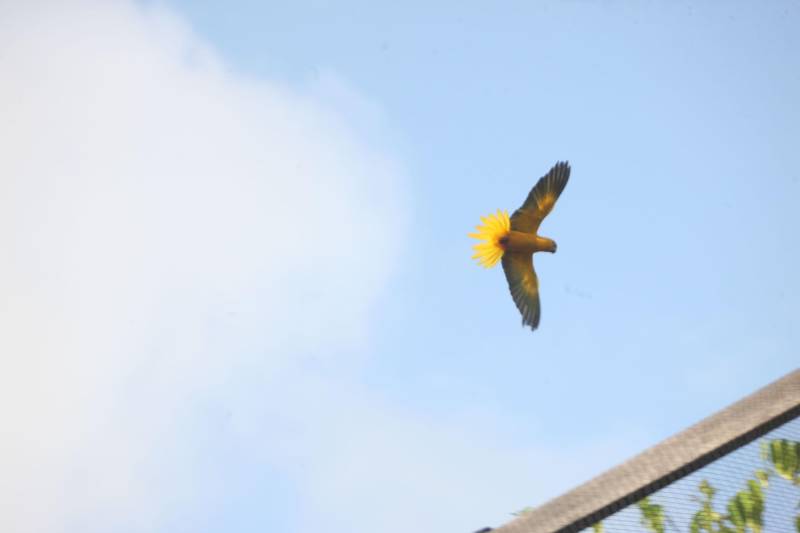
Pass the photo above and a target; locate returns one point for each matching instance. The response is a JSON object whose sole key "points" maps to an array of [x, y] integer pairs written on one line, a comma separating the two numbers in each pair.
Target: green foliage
{"points": [[763, 477], [707, 519], [785, 457], [744, 512], [746, 508], [523, 511], [652, 515]]}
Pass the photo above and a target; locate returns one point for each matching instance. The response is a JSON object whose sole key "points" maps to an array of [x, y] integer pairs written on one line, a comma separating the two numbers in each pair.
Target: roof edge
{"points": [[666, 462]]}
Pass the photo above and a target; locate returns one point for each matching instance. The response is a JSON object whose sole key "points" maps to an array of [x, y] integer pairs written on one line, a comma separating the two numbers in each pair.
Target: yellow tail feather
{"points": [[494, 227]]}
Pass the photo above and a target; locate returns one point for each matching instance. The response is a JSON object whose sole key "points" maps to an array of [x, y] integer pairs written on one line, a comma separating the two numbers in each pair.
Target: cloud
{"points": [[168, 226], [192, 261]]}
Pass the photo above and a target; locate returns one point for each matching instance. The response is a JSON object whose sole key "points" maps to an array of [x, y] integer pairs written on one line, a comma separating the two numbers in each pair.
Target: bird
{"points": [[513, 241]]}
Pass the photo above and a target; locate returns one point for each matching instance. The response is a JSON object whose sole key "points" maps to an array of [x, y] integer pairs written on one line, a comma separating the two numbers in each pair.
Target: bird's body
{"points": [[514, 240], [519, 241]]}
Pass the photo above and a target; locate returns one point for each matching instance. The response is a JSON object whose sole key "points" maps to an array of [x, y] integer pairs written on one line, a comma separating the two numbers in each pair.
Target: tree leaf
{"points": [[785, 457], [763, 478], [652, 515]]}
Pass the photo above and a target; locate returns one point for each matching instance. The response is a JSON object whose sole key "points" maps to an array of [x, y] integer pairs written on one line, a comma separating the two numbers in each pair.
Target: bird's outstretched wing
{"points": [[524, 286], [541, 199]]}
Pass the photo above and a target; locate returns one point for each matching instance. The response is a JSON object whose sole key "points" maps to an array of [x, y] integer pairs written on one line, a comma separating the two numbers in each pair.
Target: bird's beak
{"points": [[555, 247]]}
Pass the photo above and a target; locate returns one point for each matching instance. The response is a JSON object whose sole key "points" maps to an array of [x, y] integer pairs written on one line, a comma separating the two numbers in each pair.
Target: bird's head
{"points": [[543, 244]]}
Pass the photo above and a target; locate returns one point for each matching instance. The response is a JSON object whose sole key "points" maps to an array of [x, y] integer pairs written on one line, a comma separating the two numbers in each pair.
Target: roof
{"points": [[674, 458]]}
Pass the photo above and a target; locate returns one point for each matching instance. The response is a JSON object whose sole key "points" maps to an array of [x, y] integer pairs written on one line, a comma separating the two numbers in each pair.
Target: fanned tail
{"points": [[494, 227]]}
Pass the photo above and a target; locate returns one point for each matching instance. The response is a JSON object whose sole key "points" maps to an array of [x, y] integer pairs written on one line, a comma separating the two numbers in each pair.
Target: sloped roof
{"points": [[674, 458]]}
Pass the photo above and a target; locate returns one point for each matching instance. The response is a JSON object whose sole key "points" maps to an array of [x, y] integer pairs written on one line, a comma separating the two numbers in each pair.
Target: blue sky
{"points": [[241, 288]]}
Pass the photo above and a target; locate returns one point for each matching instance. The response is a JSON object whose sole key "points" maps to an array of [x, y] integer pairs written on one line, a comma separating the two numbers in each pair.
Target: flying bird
{"points": [[514, 241]]}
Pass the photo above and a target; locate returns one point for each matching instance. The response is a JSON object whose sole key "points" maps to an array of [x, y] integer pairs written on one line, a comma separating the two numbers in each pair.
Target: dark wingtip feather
{"points": [[531, 319], [531, 314], [558, 177]]}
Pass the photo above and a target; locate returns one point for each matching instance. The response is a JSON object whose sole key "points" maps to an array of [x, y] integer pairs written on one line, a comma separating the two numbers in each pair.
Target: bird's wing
{"points": [[541, 199], [524, 286]]}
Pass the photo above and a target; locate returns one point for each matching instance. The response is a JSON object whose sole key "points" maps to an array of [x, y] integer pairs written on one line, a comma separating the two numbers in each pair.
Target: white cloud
{"points": [[166, 225], [191, 262]]}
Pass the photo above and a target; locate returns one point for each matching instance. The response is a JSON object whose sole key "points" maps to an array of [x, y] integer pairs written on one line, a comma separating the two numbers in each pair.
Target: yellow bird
{"points": [[515, 240]]}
